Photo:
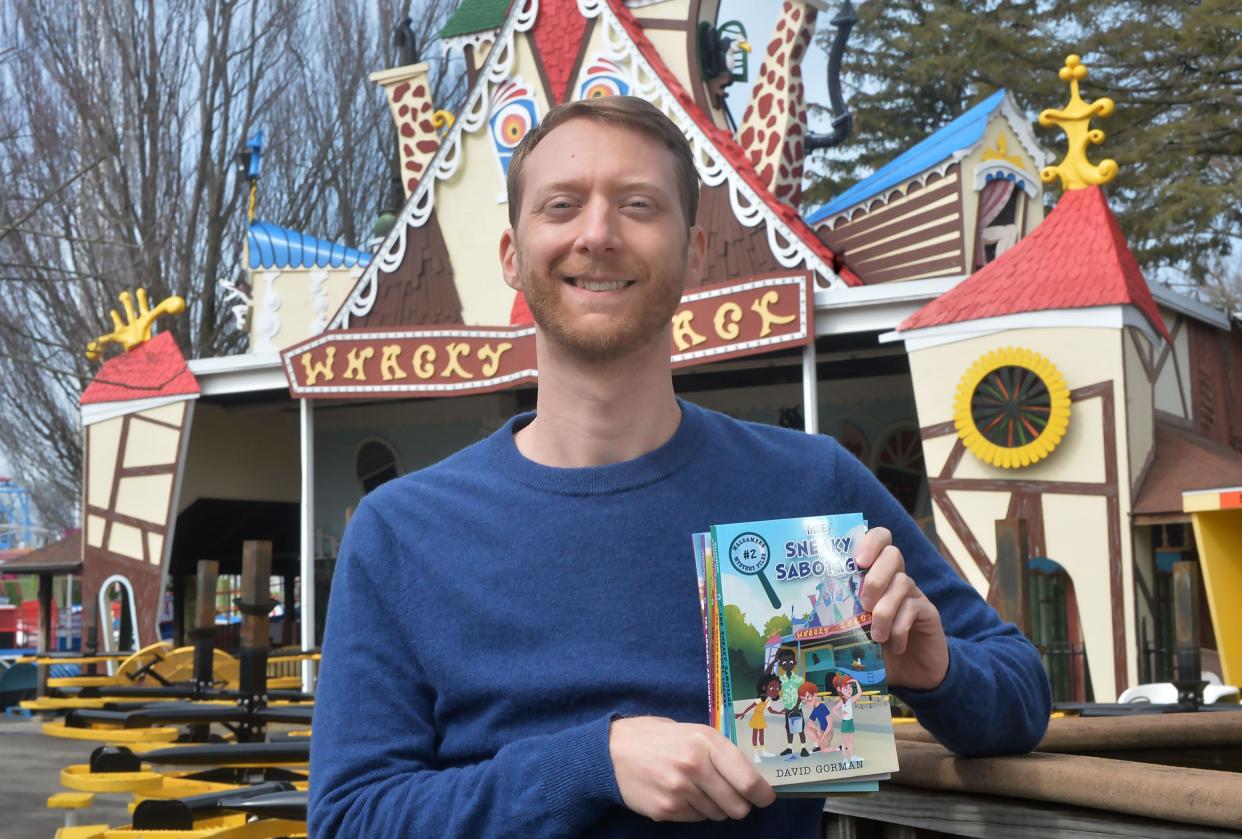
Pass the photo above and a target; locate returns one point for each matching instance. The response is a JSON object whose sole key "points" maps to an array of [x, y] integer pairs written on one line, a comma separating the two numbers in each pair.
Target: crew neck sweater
{"points": [[491, 616]]}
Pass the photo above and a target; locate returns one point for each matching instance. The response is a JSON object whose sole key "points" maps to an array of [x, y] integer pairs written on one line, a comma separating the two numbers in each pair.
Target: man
{"points": [[582, 512]]}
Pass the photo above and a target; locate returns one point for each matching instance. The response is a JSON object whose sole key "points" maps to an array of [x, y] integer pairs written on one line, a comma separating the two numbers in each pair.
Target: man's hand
{"points": [[903, 620], [673, 771]]}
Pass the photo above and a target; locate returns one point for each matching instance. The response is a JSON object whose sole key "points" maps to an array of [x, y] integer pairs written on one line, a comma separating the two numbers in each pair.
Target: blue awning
{"points": [[272, 246], [961, 133]]}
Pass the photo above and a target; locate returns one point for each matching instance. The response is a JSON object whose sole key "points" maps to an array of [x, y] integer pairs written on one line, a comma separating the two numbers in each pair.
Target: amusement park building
{"points": [[986, 362]]}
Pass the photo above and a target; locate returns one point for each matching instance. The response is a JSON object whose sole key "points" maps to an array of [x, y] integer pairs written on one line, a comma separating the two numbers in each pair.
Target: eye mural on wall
{"points": [[1011, 408], [513, 113], [603, 78]]}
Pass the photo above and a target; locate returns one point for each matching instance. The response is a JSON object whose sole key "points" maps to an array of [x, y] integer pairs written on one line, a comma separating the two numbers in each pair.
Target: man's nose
{"points": [[599, 230]]}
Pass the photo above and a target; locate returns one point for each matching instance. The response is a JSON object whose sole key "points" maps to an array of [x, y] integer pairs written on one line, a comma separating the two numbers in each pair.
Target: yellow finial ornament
{"points": [[1076, 171], [135, 330]]}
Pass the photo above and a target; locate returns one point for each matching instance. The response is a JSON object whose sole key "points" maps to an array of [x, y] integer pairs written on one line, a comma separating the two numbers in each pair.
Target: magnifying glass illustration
{"points": [[749, 555]]}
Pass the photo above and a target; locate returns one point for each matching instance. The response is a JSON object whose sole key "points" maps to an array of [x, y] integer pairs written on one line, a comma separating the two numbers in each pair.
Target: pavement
{"points": [[30, 764]]}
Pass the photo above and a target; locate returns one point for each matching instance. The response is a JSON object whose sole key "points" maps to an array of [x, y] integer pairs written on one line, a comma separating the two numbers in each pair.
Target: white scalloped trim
{"points": [[443, 164], [460, 42]]}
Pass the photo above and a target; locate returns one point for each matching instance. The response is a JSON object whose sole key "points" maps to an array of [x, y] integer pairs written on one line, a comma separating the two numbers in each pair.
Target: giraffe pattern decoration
{"points": [[774, 127], [513, 113], [408, 90]]}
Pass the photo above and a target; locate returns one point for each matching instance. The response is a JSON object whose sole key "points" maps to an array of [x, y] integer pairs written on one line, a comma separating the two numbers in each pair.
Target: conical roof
{"points": [[1076, 259]]}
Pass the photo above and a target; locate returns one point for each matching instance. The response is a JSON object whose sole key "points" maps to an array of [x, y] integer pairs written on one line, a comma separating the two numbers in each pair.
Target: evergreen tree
{"points": [[1173, 68]]}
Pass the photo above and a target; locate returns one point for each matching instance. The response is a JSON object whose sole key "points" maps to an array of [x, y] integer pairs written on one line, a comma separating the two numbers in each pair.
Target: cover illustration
{"points": [[798, 683]]}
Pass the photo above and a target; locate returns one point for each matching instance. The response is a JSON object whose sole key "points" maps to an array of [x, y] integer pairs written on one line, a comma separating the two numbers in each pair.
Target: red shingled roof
{"points": [[727, 146], [1075, 259], [558, 34], [156, 368]]}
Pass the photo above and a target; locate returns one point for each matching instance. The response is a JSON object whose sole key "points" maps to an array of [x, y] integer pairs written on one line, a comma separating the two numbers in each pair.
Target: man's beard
{"points": [[645, 317]]}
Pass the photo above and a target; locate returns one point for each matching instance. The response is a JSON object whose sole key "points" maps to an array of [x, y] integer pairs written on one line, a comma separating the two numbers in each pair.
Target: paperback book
{"points": [[794, 678]]}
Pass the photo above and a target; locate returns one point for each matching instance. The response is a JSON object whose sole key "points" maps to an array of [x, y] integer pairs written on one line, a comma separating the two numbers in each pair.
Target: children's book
{"points": [[794, 678]]}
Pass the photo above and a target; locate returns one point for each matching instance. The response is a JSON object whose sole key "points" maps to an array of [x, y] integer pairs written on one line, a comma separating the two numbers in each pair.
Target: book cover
{"points": [[719, 718], [799, 674]]}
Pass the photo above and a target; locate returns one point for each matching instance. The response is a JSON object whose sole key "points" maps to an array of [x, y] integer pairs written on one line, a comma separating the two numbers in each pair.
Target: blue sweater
{"points": [[489, 617]]}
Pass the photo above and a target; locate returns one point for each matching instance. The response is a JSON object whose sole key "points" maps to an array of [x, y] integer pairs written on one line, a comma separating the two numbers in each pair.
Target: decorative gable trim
{"points": [[751, 209], [496, 71]]}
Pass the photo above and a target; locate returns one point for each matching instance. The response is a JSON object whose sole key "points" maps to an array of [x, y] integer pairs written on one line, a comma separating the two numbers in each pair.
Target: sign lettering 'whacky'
{"points": [[712, 323]]}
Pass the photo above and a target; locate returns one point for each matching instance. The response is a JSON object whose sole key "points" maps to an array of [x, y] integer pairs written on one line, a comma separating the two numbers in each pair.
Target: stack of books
{"points": [[794, 678]]}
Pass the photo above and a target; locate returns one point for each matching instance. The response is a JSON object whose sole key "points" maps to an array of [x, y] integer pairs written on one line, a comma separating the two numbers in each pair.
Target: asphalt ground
{"points": [[30, 764]]}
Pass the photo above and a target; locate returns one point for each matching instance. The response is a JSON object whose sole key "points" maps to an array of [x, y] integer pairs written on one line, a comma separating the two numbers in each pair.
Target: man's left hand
{"points": [[903, 620]]}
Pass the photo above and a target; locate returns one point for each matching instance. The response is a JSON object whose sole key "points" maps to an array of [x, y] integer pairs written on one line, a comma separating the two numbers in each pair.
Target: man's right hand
{"points": [[674, 771]]}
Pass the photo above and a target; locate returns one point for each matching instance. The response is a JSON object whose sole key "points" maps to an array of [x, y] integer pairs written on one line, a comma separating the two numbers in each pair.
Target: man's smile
{"points": [[598, 283]]}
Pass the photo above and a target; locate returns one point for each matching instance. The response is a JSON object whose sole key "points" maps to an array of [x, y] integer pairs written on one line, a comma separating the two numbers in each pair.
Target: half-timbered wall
{"points": [[1170, 364], [1139, 403], [129, 491], [1076, 501]]}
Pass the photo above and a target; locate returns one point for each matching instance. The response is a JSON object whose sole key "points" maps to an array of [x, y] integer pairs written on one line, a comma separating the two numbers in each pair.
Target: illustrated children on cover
{"points": [[847, 689], [818, 717], [768, 690]]}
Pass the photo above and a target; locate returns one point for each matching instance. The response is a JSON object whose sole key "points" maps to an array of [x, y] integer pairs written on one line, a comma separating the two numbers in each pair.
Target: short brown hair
{"points": [[624, 112]]}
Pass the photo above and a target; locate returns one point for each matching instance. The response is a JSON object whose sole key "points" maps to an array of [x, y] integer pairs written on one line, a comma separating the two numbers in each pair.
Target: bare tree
{"points": [[120, 120]]}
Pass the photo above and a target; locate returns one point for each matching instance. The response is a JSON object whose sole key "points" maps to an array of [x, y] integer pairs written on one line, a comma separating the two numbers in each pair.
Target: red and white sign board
{"points": [[713, 322]]}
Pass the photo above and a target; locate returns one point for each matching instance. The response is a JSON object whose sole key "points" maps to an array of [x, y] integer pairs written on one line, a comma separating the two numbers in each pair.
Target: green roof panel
{"points": [[475, 16]]}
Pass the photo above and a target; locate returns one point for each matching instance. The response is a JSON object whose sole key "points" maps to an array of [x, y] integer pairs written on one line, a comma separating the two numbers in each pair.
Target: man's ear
{"points": [[508, 259], [696, 256]]}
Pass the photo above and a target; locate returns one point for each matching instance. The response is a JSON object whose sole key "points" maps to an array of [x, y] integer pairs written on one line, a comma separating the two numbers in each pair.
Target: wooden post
{"points": [[1012, 572], [45, 628], [287, 637], [256, 599], [1188, 672], [178, 597], [255, 606], [90, 642], [204, 631]]}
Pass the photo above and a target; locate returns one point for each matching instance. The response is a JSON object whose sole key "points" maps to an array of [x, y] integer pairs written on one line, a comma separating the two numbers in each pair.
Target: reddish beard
{"points": [[655, 299]]}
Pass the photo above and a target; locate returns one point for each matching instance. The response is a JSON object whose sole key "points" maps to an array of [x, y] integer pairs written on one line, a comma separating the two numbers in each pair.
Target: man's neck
{"points": [[597, 413]]}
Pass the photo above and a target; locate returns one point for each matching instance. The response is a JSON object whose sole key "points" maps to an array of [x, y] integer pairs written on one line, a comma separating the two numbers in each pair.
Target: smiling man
{"points": [[582, 513]]}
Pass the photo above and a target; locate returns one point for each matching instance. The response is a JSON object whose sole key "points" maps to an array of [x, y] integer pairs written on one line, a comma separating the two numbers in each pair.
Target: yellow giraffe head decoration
{"points": [[135, 330], [1075, 171]]}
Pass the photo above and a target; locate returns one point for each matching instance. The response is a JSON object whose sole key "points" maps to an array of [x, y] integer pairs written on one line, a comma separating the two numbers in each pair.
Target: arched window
{"points": [[854, 439], [118, 617], [899, 466], [1055, 630], [375, 464]]}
